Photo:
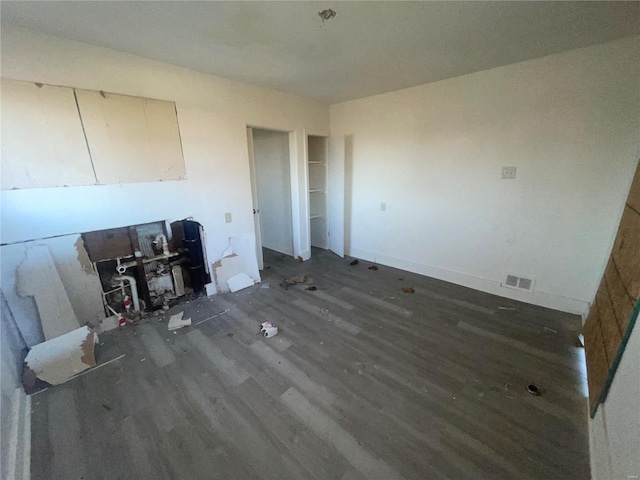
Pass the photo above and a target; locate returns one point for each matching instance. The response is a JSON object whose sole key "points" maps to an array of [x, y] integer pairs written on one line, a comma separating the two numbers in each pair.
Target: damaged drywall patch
{"points": [[238, 258], [83, 257]]}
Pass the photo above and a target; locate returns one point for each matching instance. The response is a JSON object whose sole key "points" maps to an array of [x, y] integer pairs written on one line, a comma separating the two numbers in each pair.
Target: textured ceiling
{"points": [[368, 48]]}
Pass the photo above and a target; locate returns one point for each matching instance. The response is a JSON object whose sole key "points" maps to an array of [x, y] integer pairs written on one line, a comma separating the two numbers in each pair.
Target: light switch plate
{"points": [[508, 173], [227, 217]]}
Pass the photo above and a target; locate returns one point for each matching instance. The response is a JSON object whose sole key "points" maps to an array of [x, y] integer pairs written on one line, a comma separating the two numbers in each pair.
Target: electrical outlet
{"points": [[227, 217], [383, 207], [508, 173]]}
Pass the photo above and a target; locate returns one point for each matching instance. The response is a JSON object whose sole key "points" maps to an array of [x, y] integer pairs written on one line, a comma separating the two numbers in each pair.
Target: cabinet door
{"points": [[42, 140], [132, 139], [336, 193]]}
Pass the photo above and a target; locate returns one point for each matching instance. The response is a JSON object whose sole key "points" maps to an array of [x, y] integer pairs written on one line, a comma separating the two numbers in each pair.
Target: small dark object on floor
{"points": [[533, 390], [311, 289], [300, 259], [268, 267], [408, 290], [355, 262], [401, 279], [230, 334], [373, 267], [107, 407]]}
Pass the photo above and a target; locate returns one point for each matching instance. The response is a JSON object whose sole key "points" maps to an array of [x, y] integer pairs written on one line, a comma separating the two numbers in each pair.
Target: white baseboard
{"points": [[18, 461], [543, 299]]}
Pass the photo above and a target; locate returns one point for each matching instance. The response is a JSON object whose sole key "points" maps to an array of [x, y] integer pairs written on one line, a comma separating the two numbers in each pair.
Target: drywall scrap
{"points": [[240, 257], [39, 278], [239, 281], [176, 322], [56, 361]]}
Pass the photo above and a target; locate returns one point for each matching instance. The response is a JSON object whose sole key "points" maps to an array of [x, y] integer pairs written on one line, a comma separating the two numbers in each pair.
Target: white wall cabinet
{"points": [[131, 139], [60, 136], [42, 140]]}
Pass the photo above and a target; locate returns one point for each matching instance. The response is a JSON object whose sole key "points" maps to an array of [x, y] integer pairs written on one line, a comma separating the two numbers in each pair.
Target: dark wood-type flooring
{"points": [[363, 381]]}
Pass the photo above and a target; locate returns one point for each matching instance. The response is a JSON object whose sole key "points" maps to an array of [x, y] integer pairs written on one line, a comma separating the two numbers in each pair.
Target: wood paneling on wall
{"points": [[615, 308]]}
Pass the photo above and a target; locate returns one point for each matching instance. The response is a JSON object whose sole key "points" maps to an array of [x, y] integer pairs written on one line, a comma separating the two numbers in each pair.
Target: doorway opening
{"points": [[269, 160]]}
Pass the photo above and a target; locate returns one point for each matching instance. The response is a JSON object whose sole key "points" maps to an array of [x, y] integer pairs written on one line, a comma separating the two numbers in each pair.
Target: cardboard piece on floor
{"points": [[176, 322], [57, 360], [240, 257], [38, 277], [239, 281]]}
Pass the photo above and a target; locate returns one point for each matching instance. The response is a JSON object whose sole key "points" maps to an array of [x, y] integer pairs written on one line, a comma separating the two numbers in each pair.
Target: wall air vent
{"points": [[519, 283]]}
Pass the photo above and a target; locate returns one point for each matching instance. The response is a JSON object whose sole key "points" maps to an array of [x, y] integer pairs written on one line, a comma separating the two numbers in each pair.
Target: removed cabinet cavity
{"points": [[144, 267]]}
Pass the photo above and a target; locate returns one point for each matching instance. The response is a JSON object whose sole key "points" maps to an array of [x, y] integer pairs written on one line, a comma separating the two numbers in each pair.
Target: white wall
{"points": [[271, 151], [433, 153], [213, 114], [615, 431]]}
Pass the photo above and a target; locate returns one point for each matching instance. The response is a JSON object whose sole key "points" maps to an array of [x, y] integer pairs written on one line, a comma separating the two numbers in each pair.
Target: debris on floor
{"points": [[408, 290], [311, 288], [549, 330], [213, 316], [354, 262], [506, 308], [268, 329], [533, 389], [176, 322], [265, 285], [109, 323], [230, 334], [239, 282], [297, 279], [57, 360], [373, 267], [300, 260], [508, 389]]}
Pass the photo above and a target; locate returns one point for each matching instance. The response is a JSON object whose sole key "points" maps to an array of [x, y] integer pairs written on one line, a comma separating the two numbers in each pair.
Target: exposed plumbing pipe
{"points": [[134, 289], [165, 245]]}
